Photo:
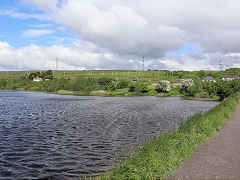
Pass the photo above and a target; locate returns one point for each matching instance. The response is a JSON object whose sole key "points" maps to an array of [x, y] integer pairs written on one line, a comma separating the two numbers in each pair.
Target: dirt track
{"points": [[217, 159]]}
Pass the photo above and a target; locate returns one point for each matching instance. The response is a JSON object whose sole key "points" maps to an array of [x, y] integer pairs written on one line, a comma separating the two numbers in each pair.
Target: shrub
{"points": [[186, 83], [3, 82], [192, 90], [163, 86], [210, 88], [141, 87], [104, 81], [112, 86], [132, 87], [122, 84], [189, 88], [224, 89]]}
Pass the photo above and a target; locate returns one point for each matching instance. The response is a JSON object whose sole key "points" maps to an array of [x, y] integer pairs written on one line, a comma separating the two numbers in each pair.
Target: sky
{"points": [[116, 34]]}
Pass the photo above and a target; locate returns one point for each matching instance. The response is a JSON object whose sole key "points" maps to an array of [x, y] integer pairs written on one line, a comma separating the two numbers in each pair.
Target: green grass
{"points": [[117, 74], [68, 92], [119, 92], [159, 157]]}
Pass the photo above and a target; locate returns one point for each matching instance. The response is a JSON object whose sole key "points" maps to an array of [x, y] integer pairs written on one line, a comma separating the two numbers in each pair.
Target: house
{"points": [[230, 77], [209, 78], [37, 79]]}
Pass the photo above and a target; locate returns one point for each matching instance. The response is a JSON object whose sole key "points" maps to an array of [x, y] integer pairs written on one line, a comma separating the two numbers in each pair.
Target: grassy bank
{"points": [[158, 158]]}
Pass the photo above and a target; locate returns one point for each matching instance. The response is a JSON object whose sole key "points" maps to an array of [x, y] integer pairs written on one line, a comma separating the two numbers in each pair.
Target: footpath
{"points": [[219, 158]]}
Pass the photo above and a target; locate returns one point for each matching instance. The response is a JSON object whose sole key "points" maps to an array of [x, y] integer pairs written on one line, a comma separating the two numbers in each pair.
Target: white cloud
{"points": [[233, 54], [40, 4], [187, 65], [85, 55], [81, 55], [236, 65], [199, 61], [127, 30], [119, 28], [153, 28], [36, 33], [19, 15], [40, 25]]}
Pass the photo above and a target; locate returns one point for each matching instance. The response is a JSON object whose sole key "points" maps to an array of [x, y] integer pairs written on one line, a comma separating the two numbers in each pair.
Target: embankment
{"points": [[159, 157]]}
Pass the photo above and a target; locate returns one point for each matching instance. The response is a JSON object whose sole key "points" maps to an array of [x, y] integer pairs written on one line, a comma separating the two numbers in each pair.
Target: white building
{"points": [[37, 79]]}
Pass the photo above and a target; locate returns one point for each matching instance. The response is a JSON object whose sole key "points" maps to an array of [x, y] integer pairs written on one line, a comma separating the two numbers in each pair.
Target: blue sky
{"points": [[188, 48], [12, 28], [89, 34]]}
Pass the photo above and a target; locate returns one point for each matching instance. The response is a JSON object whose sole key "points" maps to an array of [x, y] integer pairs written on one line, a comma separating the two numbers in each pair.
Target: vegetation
{"points": [[44, 75], [158, 158], [145, 84], [163, 86]]}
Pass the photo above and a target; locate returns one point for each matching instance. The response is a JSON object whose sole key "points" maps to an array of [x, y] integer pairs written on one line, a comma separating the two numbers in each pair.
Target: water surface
{"points": [[65, 137]]}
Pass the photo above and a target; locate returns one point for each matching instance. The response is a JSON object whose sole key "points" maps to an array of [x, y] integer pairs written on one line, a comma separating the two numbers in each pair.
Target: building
{"points": [[230, 77], [209, 78], [37, 79]]}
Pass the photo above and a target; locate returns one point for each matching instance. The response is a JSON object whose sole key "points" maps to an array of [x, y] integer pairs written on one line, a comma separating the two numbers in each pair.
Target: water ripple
{"points": [[46, 136]]}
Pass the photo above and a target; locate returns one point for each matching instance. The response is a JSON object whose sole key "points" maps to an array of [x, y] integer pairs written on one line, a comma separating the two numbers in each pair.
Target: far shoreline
{"points": [[71, 93]]}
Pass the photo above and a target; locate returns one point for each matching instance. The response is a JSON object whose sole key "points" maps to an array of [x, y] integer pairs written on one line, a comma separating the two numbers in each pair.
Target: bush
{"points": [[189, 88], [141, 87], [3, 82], [163, 86], [112, 86], [122, 84], [186, 83], [192, 90], [132, 87], [224, 89], [210, 88], [105, 81]]}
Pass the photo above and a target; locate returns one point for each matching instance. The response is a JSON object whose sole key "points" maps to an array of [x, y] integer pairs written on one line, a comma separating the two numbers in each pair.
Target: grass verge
{"points": [[159, 157]]}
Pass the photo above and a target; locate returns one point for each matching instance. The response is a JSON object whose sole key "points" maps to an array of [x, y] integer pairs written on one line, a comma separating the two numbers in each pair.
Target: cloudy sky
{"points": [[116, 34]]}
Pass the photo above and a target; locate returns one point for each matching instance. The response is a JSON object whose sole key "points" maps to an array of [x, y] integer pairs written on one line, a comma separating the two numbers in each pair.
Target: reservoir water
{"points": [[66, 137]]}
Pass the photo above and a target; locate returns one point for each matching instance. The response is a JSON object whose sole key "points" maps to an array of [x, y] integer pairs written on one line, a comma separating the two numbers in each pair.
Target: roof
{"points": [[230, 76], [208, 78]]}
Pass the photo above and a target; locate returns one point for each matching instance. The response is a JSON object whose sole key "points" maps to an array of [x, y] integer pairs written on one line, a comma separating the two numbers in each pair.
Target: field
{"points": [[154, 76]]}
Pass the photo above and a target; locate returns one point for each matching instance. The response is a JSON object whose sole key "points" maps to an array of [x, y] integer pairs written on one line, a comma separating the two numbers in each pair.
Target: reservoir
{"points": [[67, 137]]}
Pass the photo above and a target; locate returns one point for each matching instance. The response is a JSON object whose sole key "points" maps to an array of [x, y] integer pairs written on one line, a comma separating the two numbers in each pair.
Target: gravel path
{"points": [[217, 159]]}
